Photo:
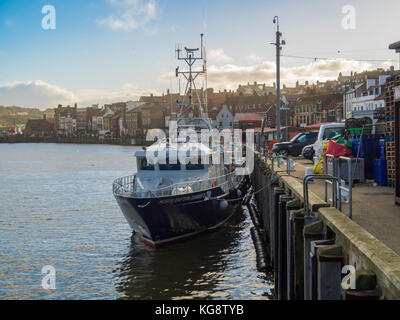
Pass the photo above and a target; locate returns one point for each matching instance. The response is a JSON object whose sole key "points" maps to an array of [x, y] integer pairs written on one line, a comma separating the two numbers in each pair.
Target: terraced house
{"points": [[310, 109]]}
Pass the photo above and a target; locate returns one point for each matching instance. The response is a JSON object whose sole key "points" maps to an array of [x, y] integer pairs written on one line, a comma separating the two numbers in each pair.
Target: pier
{"points": [[313, 248]]}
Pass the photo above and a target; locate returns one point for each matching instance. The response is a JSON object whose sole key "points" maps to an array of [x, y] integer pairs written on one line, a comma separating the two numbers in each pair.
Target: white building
{"points": [[370, 100], [224, 119], [68, 125], [97, 122]]}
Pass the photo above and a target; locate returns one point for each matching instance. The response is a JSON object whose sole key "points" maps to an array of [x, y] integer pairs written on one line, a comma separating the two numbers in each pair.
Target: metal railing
{"points": [[289, 162], [337, 191], [328, 179], [125, 186]]}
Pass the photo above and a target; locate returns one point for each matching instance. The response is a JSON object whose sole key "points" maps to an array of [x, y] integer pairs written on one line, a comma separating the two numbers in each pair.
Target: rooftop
{"points": [[247, 117]]}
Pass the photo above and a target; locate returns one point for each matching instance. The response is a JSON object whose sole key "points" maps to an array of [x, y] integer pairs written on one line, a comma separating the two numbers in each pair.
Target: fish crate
{"points": [[390, 154], [390, 127], [390, 145], [388, 137], [389, 111], [359, 131]]}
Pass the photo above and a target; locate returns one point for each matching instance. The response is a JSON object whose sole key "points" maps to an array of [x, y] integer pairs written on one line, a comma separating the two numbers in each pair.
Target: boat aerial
{"points": [[173, 195]]}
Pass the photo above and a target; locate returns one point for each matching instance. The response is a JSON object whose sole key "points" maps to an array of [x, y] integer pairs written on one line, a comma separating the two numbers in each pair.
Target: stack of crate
{"points": [[392, 82]]}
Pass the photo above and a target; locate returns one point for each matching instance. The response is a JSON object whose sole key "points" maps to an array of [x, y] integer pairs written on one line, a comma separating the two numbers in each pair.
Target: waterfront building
{"points": [[309, 110], [224, 119], [39, 127], [65, 120], [134, 122], [107, 120]]}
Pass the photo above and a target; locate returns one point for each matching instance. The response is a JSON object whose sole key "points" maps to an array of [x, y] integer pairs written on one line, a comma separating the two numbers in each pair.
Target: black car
{"points": [[295, 145]]}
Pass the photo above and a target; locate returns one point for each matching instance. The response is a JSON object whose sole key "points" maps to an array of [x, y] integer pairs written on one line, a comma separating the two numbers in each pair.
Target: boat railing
{"points": [[125, 186]]}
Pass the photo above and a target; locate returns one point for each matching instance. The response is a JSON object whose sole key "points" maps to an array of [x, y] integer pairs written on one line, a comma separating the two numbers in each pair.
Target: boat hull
{"points": [[162, 220]]}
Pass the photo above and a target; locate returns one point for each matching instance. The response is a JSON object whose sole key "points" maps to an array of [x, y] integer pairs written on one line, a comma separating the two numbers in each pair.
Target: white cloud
{"points": [[218, 55], [39, 94], [253, 57], [130, 14], [127, 92], [35, 94], [229, 76]]}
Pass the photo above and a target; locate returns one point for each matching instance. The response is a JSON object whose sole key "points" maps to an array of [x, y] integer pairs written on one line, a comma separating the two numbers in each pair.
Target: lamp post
{"points": [[286, 113], [278, 45]]}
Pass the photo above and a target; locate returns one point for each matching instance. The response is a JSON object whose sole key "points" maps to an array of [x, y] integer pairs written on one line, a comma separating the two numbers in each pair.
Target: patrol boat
{"points": [[168, 200]]}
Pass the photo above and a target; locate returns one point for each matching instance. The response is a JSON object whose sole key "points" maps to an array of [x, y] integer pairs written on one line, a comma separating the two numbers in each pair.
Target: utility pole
{"points": [[278, 44]]}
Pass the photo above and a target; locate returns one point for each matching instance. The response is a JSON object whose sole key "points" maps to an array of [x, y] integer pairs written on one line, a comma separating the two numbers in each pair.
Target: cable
{"points": [[349, 59]]}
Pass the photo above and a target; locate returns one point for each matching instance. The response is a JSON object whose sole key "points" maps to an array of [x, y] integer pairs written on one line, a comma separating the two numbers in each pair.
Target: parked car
{"points": [[308, 152], [295, 145]]}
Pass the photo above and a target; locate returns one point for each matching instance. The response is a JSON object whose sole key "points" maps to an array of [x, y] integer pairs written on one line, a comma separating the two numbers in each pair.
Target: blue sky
{"points": [[108, 50]]}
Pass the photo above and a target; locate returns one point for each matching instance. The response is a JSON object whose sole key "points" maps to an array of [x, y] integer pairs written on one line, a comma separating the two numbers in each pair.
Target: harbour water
{"points": [[57, 208]]}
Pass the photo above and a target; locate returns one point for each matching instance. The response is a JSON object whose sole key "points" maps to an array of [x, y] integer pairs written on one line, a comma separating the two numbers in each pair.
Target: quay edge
{"points": [[360, 248]]}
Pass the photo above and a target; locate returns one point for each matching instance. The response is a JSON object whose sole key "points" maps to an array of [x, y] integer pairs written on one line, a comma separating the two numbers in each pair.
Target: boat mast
{"points": [[191, 75]]}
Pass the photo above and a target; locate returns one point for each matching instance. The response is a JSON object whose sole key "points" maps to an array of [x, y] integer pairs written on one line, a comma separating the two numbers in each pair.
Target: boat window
{"points": [[144, 165], [195, 166], [168, 166]]}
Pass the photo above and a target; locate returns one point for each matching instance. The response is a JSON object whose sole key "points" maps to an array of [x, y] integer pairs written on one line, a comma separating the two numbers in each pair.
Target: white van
{"points": [[326, 133]]}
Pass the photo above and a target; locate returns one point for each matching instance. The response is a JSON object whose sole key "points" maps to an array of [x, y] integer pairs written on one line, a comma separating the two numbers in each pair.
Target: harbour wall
{"points": [[313, 252], [76, 140]]}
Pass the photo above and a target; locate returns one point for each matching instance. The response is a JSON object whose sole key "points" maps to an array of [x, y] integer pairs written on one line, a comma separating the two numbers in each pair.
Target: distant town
{"points": [[252, 105]]}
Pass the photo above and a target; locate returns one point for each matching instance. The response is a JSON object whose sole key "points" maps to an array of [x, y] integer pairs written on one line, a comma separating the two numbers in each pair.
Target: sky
{"points": [[103, 51]]}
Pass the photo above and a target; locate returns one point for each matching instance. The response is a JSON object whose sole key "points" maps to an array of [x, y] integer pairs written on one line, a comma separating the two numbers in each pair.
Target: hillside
{"points": [[17, 115]]}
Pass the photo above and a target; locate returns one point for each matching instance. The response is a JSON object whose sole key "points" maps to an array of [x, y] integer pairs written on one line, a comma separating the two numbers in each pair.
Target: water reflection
{"points": [[57, 208], [217, 264]]}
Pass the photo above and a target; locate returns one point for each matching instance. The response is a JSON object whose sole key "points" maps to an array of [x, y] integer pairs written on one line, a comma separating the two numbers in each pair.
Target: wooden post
{"points": [[311, 232], [298, 257], [315, 246], [291, 206], [366, 287], [275, 216], [330, 260], [273, 185], [282, 247]]}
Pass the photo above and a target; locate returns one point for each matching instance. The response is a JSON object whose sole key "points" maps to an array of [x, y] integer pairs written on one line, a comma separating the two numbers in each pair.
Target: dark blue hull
{"points": [[165, 219]]}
